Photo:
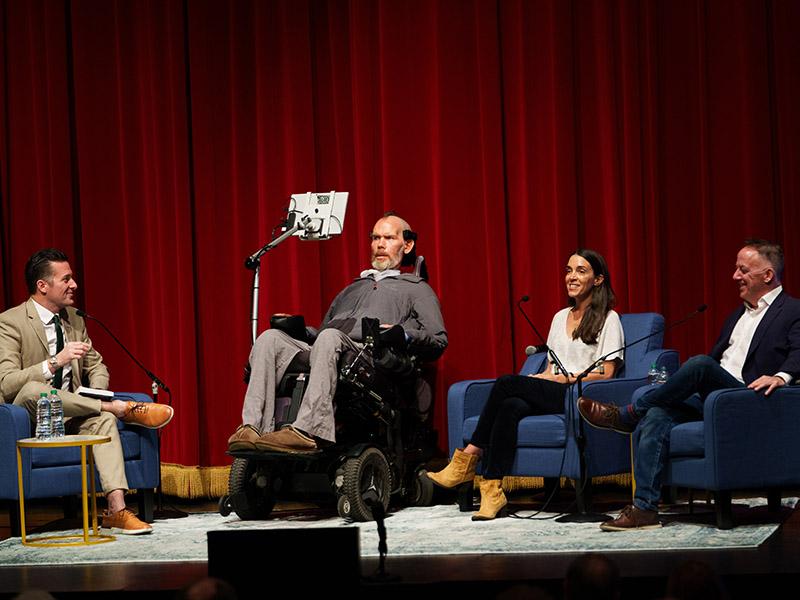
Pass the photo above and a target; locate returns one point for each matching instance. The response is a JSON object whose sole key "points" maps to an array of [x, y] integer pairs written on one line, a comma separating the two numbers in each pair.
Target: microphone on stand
{"points": [[531, 350], [159, 513], [600, 360], [157, 383]]}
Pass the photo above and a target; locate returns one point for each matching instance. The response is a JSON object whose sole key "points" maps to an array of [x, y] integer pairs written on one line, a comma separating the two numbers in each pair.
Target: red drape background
{"points": [[157, 142]]}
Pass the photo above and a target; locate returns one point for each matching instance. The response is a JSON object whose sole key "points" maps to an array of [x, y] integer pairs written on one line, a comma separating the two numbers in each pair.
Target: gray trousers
{"points": [[269, 359], [82, 416]]}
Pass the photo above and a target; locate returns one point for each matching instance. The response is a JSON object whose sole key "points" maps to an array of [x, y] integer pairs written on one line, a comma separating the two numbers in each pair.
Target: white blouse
{"points": [[574, 353]]}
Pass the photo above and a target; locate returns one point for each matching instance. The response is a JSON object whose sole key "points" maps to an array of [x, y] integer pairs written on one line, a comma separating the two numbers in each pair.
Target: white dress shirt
{"points": [[742, 335], [50, 331]]}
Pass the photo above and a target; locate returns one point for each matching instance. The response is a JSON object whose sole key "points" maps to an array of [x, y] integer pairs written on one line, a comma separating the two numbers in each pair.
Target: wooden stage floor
{"points": [[763, 572]]}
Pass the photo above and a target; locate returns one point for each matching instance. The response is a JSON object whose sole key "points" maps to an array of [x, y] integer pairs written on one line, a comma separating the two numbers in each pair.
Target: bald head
{"points": [[388, 245]]}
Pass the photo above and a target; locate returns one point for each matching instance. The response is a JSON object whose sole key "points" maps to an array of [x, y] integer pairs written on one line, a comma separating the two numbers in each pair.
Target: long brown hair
{"points": [[603, 299]]}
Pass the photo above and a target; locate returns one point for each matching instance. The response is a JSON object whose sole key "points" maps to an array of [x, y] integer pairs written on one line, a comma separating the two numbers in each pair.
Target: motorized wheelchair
{"points": [[383, 433]]}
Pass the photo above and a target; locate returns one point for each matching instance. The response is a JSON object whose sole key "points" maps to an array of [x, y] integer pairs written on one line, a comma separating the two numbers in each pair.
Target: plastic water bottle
{"points": [[663, 375], [56, 414], [653, 374], [44, 426]]}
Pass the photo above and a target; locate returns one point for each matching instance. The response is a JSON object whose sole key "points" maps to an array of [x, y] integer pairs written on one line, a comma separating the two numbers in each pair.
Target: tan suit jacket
{"points": [[23, 348]]}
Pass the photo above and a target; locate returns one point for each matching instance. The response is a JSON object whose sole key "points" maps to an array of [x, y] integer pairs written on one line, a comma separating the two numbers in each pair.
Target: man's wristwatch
{"points": [[53, 361]]}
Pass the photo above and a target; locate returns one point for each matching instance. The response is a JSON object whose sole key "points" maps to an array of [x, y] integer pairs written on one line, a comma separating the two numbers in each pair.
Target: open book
{"points": [[95, 393]]}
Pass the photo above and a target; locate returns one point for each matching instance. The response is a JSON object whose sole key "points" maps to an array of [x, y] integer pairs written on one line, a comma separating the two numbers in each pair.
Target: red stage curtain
{"points": [[158, 143]]}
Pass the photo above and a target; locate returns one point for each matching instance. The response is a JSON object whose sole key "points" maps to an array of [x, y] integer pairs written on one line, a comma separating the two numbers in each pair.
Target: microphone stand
{"points": [[159, 512], [583, 516], [253, 263]]}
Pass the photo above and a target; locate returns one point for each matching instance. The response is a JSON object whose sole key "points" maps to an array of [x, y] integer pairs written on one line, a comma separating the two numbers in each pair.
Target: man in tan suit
{"points": [[44, 345]]}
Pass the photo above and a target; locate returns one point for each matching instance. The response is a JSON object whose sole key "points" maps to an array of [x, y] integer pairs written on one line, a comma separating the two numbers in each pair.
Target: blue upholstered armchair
{"points": [[545, 441], [746, 441], [55, 472]]}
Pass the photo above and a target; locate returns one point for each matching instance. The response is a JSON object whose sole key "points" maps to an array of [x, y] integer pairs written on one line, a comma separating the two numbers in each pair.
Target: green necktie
{"points": [[57, 377]]}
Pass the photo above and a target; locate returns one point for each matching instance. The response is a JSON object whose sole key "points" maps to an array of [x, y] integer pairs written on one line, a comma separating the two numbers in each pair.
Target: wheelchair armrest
{"points": [[292, 325]]}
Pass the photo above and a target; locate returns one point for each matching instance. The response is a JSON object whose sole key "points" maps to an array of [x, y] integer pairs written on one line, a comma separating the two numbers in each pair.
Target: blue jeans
{"points": [[662, 409]]}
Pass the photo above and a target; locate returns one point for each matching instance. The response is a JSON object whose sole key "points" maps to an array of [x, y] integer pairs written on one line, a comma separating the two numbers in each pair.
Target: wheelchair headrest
{"points": [[411, 259]]}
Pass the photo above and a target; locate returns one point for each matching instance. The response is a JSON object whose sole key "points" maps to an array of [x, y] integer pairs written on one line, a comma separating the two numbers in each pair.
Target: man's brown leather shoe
{"points": [[632, 518], [244, 438], [603, 416], [288, 440], [147, 414], [125, 522]]}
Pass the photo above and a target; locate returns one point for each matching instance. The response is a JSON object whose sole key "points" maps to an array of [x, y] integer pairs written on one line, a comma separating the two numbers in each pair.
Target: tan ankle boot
{"points": [[493, 501], [461, 469]]}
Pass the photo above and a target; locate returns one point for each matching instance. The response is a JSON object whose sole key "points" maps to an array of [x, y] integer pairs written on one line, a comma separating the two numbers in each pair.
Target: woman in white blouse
{"points": [[579, 335]]}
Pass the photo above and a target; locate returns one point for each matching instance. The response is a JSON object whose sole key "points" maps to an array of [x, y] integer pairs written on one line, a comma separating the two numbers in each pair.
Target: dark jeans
{"points": [[512, 398], [662, 409]]}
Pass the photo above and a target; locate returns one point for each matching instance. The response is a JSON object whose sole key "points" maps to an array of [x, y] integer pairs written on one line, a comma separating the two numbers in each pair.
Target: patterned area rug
{"points": [[436, 530]]}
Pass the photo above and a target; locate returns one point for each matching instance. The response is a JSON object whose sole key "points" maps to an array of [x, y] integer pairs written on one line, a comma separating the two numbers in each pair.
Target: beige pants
{"points": [[83, 416], [269, 359]]}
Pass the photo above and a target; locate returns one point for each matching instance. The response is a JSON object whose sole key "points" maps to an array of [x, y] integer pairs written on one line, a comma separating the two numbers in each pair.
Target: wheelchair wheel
{"points": [[364, 476], [250, 489], [225, 507], [421, 489]]}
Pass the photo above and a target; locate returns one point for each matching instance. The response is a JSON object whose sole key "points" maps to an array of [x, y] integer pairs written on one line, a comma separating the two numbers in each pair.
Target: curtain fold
{"points": [[158, 143]]}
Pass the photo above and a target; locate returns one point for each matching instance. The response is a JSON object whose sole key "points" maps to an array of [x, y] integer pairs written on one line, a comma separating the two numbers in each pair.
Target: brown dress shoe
{"points": [[288, 440], [633, 518], [147, 414], [603, 416], [125, 522], [244, 438]]}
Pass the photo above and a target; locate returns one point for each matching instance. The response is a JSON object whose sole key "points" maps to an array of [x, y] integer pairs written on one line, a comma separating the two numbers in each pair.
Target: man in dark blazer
{"points": [[759, 348], [44, 345]]}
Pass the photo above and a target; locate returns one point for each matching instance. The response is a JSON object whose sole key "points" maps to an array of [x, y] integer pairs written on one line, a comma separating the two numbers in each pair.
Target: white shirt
{"points": [[575, 354], [50, 331], [735, 354], [378, 275]]}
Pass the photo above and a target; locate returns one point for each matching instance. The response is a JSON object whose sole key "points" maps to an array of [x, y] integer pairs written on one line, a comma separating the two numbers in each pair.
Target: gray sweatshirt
{"points": [[404, 300]]}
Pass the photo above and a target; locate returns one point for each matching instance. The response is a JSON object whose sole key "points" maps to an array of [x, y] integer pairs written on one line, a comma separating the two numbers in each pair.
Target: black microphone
{"points": [[599, 361], [530, 350], [153, 378]]}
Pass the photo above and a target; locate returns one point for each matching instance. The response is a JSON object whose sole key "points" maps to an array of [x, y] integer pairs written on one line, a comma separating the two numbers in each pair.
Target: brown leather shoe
{"points": [[288, 440], [147, 414], [244, 438], [125, 522], [603, 416], [633, 518]]}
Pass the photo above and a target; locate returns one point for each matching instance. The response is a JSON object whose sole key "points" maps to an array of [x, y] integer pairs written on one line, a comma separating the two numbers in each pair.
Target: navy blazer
{"points": [[775, 345]]}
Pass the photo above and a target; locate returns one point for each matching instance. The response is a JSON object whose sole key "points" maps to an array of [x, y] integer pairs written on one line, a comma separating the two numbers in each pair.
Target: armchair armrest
{"points": [[14, 425], [148, 440], [750, 439], [535, 363], [663, 358], [465, 399]]}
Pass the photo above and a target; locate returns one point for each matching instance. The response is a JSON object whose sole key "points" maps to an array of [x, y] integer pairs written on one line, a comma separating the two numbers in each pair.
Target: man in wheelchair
{"points": [[407, 312]]}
